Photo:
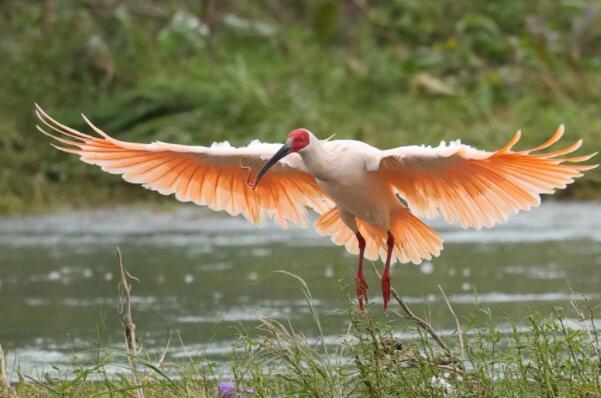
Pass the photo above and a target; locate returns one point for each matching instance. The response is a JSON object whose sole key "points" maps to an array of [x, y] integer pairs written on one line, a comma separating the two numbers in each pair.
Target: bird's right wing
{"points": [[215, 176]]}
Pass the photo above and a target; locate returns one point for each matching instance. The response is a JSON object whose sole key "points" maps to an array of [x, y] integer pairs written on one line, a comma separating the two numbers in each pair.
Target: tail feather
{"points": [[414, 240]]}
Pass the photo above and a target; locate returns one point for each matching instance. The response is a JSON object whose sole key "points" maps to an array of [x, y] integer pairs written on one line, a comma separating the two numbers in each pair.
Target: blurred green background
{"points": [[387, 72]]}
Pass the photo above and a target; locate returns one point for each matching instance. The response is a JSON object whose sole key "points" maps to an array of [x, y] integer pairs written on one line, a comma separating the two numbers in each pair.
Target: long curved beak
{"points": [[283, 151]]}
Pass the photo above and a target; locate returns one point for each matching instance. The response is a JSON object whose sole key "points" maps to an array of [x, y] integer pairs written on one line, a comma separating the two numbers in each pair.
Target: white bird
{"points": [[353, 186]]}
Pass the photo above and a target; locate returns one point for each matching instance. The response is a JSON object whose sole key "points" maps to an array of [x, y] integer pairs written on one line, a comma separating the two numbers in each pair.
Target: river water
{"points": [[205, 277]]}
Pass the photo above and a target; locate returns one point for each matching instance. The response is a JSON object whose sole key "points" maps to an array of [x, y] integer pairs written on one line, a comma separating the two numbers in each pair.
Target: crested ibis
{"points": [[354, 187]]}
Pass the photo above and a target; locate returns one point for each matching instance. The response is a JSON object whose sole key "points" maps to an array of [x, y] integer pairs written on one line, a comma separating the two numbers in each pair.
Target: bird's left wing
{"points": [[474, 187], [215, 176]]}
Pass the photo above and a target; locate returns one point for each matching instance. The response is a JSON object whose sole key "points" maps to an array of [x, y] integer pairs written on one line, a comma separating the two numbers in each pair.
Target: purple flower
{"points": [[226, 389]]}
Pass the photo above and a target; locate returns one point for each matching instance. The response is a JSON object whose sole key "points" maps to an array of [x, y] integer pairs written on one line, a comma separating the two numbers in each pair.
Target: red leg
{"points": [[360, 282], [386, 274]]}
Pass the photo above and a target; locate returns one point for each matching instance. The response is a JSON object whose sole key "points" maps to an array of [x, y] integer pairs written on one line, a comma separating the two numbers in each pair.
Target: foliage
{"points": [[539, 357], [388, 72]]}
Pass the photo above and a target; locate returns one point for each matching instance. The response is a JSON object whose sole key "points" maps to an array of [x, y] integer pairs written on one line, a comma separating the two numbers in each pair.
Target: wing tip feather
{"points": [[514, 140], [96, 129]]}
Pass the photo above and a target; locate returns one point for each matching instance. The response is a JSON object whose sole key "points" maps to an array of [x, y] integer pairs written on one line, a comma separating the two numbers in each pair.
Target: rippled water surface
{"points": [[207, 277]]}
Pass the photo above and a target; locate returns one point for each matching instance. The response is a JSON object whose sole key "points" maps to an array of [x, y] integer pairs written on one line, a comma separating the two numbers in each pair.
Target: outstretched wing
{"points": [[214, 176], [478, 188]]}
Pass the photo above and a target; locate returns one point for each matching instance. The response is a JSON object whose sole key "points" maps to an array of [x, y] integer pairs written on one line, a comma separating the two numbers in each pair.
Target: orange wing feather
{"points": [[414, 240], [478, 188], [215, 177]]}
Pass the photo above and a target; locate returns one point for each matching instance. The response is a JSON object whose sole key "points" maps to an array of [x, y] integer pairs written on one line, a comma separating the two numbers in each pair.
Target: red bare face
{"points": [[299, 139]]}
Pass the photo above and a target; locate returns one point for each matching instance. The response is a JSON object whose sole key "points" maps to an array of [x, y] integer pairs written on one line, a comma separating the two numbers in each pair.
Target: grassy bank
{"points": [[556, 355], [388, 73]]}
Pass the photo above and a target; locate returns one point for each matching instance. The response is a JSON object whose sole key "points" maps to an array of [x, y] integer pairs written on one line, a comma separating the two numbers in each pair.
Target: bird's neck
{"points": [[317, 159]]}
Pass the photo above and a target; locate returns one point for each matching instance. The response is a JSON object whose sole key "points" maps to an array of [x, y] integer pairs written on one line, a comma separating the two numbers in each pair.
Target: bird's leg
{"points": [[360, 282], [386, 274]]}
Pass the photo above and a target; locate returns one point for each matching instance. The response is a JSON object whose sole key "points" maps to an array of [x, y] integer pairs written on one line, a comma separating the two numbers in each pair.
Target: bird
{"points": [[368, 200]]}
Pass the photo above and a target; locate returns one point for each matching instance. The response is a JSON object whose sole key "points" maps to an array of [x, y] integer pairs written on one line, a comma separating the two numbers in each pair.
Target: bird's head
{"points": [[298, 140]]}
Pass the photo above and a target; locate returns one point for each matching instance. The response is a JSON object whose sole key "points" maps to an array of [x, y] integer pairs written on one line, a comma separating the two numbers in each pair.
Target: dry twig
{"points": [[129, 327], [4, 381], [411, 316], [457, 323], [161, 361]]}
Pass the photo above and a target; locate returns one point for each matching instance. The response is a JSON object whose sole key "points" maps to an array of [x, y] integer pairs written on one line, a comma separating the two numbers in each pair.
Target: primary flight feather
{"points": [[353, 186]]}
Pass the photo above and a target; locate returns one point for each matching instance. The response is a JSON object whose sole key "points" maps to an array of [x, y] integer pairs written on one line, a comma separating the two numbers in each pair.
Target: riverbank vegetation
{"points": [[403, 354], [389, 73], [550, 359]]}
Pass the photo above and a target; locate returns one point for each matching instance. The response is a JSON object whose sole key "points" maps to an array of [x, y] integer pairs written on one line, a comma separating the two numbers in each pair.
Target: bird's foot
{"points": [[361, 289], [386, 289]]}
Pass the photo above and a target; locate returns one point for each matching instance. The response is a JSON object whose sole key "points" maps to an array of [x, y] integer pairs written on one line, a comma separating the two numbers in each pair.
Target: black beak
{"points": [[283, 151]]}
